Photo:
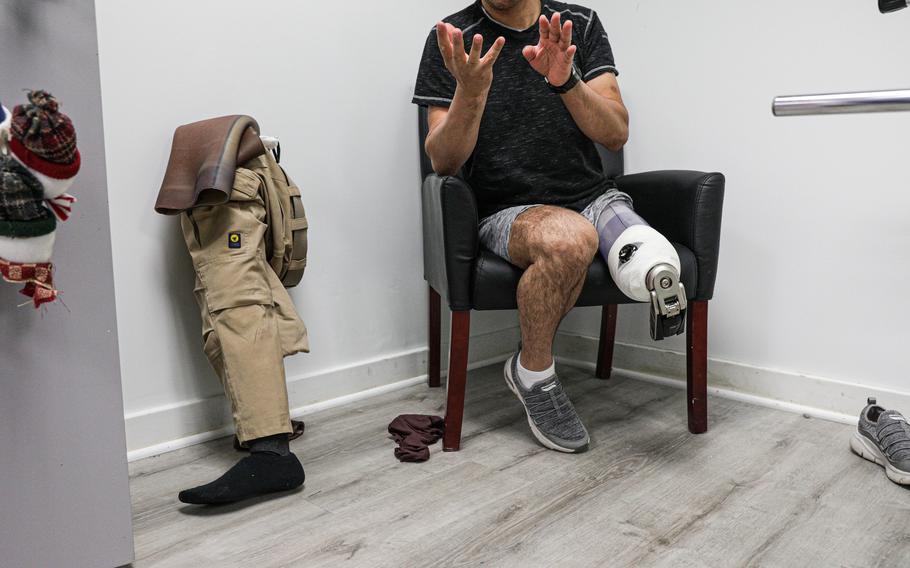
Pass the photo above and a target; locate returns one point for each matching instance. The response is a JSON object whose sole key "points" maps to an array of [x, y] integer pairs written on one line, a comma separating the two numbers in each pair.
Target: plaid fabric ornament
{"points": [[34, 176], [26, 232], [37, 277], [43, 140], [43, 130], [22, 210]]}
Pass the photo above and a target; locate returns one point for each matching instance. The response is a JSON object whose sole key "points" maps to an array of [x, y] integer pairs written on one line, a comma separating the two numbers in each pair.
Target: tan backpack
{"points": [[287, 245]]}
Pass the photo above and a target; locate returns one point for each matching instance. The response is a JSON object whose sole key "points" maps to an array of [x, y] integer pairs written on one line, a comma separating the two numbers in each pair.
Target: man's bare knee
{"points": [[573, 245], [589, 240], [529, 232], [553, 235]]}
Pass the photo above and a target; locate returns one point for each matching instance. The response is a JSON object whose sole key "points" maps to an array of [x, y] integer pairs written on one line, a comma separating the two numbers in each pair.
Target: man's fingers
{"points": [[444, 40], [544, 28], [494, 51], [565, 38], [476, 48], [530, 52], [570, 53], [458, 52], [555, 28]]}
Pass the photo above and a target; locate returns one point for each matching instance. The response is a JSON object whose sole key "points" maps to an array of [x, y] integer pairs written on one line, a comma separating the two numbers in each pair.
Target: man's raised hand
{"points": [[553, 55], [473, 73]]}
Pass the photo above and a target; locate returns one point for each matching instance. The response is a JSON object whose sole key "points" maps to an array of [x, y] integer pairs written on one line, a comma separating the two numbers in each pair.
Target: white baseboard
{"points": [[164, 429], [167, 428], [818, 397]]}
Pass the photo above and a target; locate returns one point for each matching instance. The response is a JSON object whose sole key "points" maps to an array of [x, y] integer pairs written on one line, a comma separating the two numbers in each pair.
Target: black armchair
{"points": [[685, 206]]}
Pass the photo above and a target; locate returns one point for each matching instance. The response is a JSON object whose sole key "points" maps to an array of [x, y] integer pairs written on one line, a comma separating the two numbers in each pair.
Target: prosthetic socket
{"points": [[644, 266]]}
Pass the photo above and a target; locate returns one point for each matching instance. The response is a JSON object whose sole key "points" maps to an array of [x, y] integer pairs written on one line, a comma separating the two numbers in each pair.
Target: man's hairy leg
{"points": [[555, 246]]}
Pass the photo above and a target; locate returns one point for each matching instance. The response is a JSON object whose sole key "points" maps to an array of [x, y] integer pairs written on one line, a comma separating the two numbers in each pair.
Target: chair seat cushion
{"points": [[496, 281]]}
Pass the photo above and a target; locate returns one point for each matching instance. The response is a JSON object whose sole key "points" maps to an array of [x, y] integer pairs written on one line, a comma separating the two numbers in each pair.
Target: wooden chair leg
{"points": [[457, 380], [697, 366], [607, 339], [435, 338]]}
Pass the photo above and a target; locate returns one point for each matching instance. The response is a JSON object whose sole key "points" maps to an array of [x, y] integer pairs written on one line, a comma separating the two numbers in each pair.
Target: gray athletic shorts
{"points": [[496, 229]]}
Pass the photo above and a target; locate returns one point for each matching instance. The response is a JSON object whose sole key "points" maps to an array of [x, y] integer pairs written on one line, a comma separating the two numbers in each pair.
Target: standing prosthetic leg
{"points": [[643, 264], [249, 325]]}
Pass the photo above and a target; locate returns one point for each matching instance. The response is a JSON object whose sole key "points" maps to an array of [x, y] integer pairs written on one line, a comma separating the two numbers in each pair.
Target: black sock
{"points": [[277, 444], [261, 472]]}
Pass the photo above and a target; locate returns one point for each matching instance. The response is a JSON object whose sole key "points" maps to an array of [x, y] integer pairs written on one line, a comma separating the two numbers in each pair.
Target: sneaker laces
{"points": [[894, 436], [549, 400]]}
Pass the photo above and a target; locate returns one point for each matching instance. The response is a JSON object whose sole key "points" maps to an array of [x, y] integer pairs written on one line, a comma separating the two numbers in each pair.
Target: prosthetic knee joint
{"points": [[668, 302], [646, 268]]}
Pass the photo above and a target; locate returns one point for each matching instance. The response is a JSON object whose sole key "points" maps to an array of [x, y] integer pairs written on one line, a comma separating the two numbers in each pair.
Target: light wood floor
{"points": [[761, 488]]}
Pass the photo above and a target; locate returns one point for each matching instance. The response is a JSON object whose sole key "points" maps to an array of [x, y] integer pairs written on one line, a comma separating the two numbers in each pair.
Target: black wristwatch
{"points": [[574, 79]]}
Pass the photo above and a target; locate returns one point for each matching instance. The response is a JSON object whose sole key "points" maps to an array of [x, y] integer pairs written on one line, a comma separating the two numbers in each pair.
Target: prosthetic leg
{"points": [[249, 325], [644, 266]]}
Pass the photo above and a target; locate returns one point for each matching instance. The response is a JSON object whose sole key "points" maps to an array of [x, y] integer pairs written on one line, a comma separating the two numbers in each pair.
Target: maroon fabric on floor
{"points": [[414, 433]]}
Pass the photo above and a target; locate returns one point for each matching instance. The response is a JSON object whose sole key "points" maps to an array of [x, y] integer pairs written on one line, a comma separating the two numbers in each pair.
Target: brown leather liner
{"points": [[204, 156]]}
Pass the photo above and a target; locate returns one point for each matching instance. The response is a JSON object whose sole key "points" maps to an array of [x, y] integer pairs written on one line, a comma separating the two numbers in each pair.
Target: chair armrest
{"points": [[450, 239], [686, 207]]}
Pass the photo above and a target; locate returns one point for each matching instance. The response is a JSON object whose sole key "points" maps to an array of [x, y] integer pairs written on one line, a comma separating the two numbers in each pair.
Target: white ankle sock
{"points": [[530, 378]]}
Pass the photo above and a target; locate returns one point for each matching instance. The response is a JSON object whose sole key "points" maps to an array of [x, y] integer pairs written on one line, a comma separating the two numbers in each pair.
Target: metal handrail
{"points": [[843, 103], [888, 6]]}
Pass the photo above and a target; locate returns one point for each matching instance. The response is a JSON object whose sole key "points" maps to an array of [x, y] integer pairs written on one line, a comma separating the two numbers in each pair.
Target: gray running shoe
{"points": [[883, 437], [552, 417]]}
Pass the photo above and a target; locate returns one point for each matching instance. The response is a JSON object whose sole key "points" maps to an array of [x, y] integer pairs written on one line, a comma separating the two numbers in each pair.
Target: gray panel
{"points": [[64, 494]]}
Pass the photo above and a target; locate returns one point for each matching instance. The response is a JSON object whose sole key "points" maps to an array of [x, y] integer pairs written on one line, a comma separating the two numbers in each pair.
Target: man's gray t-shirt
{"points": [[529, 149]]}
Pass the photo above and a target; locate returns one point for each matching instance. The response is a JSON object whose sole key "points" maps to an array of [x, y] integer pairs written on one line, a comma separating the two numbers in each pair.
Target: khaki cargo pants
{"points": [[249, 323]]}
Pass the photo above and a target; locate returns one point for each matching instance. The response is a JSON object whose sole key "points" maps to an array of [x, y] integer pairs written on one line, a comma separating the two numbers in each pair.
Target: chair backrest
{"points": [[613, 163]]}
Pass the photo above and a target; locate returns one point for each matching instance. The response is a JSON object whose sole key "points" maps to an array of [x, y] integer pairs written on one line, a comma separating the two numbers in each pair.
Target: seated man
{"points": [[518, 93]]}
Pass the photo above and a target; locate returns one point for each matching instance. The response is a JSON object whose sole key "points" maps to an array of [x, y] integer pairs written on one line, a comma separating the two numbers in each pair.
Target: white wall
{"points": [[815, 237], [334, 85], [815, 206]]}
